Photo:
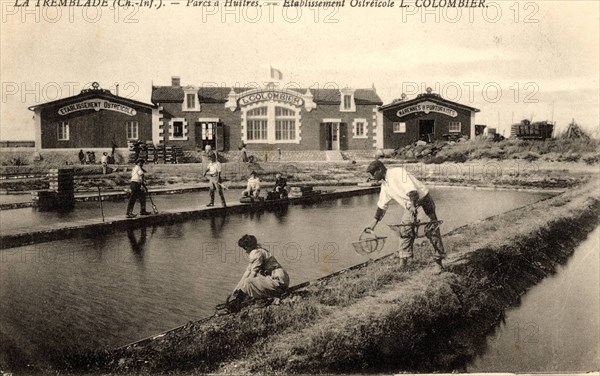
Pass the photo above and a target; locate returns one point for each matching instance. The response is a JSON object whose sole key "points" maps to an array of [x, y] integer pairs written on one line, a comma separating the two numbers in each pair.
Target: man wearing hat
{"points": [[138, 189], [401, 186], [213, 172]]}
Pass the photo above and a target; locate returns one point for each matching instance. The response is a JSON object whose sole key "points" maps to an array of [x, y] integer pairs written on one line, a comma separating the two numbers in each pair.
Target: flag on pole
{"points": [[276, 74]]}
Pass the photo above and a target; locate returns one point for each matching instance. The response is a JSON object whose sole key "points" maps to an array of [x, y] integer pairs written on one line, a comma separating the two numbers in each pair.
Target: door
{"points": [[323, 136], [335, 136], [426, 130], [220, 137], [343, 136]]}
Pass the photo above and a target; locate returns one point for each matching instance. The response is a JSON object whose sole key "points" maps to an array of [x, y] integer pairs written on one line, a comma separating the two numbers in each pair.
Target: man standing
{"points": [[104, 161], [213, 172], [401, 186], [138, 189]]}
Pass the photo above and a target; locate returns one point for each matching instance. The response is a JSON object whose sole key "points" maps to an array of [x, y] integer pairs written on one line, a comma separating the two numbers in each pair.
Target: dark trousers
{"points": [[213, 184], [137, 193]]}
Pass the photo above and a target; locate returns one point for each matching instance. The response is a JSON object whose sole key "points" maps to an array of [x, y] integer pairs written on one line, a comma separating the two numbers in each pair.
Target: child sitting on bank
{"points": [[253, 186]]}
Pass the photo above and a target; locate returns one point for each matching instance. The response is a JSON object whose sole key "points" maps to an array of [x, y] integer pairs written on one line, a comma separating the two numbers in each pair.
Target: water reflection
{"points": [[280, 212], [217, 223], [254, 214], [137, 245]]}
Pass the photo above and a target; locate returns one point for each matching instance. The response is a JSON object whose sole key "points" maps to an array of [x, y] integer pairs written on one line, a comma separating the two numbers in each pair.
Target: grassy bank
{"points": [[382, 317], [554, 150]]}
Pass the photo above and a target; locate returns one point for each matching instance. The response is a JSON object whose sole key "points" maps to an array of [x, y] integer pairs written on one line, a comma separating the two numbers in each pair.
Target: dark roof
{"points": [[436, 98], [92, 93], [170, 94]]}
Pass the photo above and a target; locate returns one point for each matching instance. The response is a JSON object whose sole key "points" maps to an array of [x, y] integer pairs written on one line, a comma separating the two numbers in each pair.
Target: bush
{"points": [[591, 158], [531, 156], [569, 157], [15, 161], [491, 153]]}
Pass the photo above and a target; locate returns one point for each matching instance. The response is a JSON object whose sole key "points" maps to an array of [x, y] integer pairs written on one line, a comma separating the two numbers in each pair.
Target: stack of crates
{"points": [[160, 153], [61, 182], [152, 154], [169, 154]]}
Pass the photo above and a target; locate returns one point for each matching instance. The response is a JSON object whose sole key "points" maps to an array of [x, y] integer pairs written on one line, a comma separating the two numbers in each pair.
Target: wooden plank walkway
{"points": [[65, 230]]}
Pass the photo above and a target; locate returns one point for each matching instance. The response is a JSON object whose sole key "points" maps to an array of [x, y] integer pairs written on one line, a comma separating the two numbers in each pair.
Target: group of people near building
{"points": [[264, 276], [89, 157]]}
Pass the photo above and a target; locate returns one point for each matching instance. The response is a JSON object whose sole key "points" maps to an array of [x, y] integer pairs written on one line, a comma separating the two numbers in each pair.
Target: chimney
{"points": [[175, 81]]}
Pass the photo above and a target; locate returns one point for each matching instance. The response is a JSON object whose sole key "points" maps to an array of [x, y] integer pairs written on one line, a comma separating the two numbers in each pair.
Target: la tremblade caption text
{"points": [[256, 3]]}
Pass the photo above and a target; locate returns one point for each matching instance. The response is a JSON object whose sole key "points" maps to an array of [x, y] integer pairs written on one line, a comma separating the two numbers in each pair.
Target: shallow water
{"points": [[556, 326], [113, 289]]}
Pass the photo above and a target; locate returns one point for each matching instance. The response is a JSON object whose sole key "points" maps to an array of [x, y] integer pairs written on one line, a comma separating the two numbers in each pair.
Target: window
{"points": [[257, 130], [399, 127], [285, 124], [285, 130], [347, 102], [261, 111], [454, 126], [271, 123], [63, 131], [257, 124], [191, 100], [359, 128], [178, 129], [132, 130], [208, 131]]}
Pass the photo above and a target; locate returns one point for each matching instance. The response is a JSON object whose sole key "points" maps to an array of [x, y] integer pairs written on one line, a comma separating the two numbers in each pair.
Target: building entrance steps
{"points": [[334, 156]]}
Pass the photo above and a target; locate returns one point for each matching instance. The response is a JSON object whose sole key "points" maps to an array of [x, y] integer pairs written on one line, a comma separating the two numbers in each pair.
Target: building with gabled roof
{"points": [[428, 117], [267, 118], [93, 119]]}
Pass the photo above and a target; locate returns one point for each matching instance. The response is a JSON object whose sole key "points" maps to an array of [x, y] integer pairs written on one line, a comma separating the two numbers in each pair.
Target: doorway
{"points": [[330, 139], [206, 134], [426, 130]]}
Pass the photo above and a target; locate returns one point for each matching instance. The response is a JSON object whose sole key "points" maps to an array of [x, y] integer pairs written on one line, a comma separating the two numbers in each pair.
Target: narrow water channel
{"points": [[556, 327], [108, 290]]}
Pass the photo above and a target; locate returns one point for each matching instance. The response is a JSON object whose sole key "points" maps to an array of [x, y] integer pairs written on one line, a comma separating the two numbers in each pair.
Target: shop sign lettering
{"points": [[427, 107], [97, 105], [263, 96]]}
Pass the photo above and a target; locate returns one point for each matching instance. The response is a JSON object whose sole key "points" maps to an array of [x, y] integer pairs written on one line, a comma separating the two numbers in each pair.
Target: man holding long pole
{"points": [[138, 189], [213, 172], [401, 186]]}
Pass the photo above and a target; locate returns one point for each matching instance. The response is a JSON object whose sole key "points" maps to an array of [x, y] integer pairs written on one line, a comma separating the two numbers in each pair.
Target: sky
{"points": [[512, 59]]}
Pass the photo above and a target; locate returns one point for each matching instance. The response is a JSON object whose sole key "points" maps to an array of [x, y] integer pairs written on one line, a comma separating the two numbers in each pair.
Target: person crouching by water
{"points": [[138, 189], [213, 172], [401, 186], [253, 186], [264, 277]]}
